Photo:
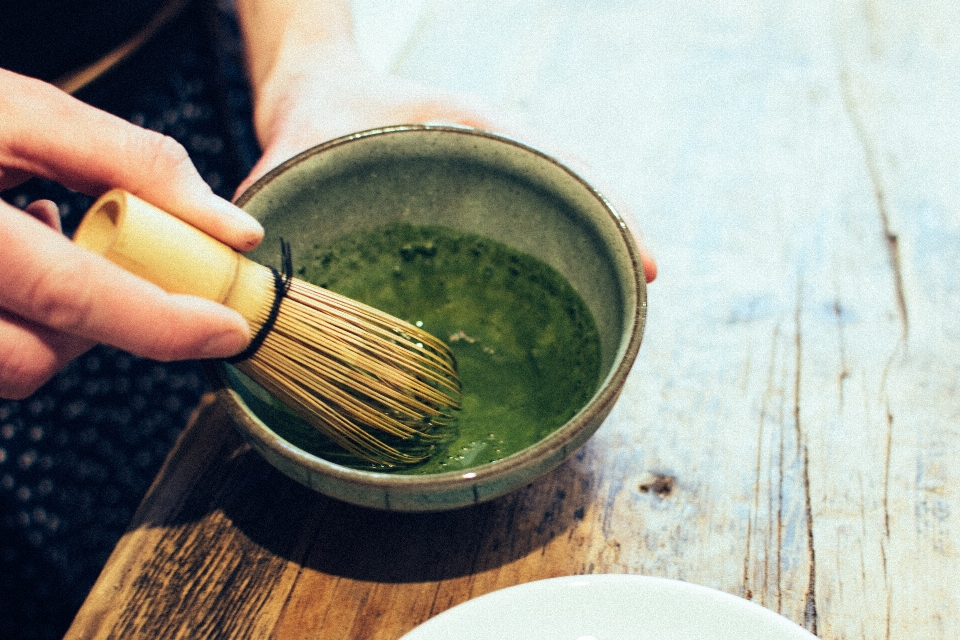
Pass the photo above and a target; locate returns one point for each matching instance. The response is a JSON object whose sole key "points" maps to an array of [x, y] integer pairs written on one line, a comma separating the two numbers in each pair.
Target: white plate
{"points": [[608, 607]]}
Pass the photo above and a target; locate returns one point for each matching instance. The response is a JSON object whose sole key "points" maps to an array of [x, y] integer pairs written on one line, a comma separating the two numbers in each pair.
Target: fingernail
{"points": [[224, 345]]}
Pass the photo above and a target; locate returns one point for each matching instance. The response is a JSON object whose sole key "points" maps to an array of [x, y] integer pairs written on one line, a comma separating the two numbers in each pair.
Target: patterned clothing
{"points": [[48, 39], [78, 455]]}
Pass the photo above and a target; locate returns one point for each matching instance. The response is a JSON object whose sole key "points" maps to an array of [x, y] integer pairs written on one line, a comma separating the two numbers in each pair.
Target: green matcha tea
{"points": [[526, 345]]}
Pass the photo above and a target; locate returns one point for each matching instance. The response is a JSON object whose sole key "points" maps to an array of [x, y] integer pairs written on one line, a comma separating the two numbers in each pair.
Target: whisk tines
{"points": [[383, 389]]}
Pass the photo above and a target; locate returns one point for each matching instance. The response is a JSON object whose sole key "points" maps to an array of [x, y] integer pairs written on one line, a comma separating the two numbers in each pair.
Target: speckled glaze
{"points": [[474, 181]]}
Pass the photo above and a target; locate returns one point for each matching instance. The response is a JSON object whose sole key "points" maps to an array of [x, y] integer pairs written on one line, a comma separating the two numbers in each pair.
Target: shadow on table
{"points": [[215, 483]]}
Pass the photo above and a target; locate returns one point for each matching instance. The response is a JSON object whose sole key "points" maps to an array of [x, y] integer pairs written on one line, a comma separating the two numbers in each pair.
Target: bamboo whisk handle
{"points": [[174, 255], [351, 371]]}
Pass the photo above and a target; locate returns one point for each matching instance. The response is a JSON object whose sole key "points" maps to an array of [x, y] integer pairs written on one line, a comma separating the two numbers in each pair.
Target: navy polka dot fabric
{"points": [[78, 455]]}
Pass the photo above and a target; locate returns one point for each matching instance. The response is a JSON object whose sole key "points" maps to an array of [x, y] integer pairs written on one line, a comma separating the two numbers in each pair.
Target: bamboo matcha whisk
{"points": [[380, 387]]}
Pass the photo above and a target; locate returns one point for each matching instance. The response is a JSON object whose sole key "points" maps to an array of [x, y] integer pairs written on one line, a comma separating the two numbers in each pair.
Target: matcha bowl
{"points": [[517, 262]]}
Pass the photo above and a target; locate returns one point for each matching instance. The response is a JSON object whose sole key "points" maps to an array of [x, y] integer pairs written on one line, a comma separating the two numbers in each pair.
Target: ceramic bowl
{"points": [[473, 181]]}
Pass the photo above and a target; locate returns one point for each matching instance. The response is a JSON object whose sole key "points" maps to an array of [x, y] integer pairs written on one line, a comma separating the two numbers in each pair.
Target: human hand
{"points": [[343, 95], [311, 84], [328, 90], [56, 299], [326, 96]]}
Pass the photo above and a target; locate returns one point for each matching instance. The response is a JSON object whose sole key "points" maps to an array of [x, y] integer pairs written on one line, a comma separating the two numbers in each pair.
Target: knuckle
{"points": [[61, 297], [164, 156]]}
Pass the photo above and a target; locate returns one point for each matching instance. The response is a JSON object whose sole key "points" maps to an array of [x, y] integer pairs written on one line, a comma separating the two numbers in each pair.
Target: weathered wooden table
{"points": [[791, 432]]}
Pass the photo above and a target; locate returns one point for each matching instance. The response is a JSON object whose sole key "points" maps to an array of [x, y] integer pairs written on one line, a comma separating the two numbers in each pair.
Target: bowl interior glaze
{"points": [[472, 181]]}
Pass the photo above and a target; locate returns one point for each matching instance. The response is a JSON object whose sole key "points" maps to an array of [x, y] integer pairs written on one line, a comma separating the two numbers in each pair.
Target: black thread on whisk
{"points": [[281, 287]]}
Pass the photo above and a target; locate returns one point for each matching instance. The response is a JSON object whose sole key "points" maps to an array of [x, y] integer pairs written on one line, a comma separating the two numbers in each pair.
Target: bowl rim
{"points": [[599, 405]]}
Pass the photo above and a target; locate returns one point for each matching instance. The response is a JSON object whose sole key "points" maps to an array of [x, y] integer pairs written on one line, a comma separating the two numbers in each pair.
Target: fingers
{"points": [[303, 109], [57, 299], [176, 187], [92, 151], [30, 354], [646, 258]]}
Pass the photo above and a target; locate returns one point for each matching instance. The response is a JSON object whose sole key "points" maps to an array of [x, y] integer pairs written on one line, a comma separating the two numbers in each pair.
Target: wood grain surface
{"points": [[791, 432]]}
